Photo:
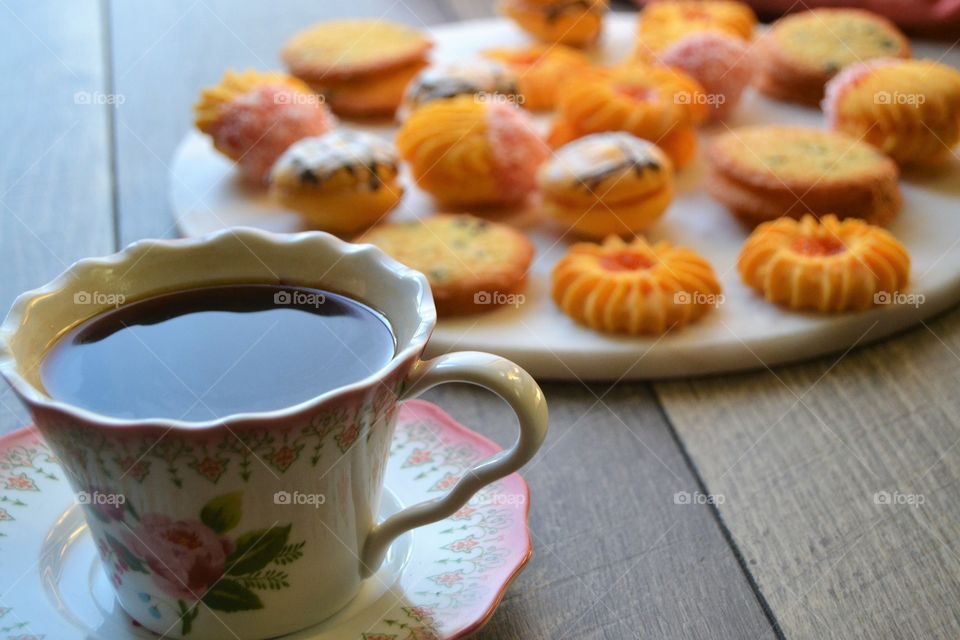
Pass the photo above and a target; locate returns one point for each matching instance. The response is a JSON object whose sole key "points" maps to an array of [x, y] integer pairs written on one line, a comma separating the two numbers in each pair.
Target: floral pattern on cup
{"points": [[196, 561]]}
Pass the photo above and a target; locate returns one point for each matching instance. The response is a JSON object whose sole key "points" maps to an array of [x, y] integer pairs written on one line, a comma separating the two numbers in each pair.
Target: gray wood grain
{"points": [[55, 185], [840, 481], [615, 555]]}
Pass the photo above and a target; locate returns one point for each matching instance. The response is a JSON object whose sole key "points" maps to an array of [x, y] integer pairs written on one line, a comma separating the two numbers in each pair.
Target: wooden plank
{"points": [[840, 481], [55, 186], [165, 52], [615, 556]]}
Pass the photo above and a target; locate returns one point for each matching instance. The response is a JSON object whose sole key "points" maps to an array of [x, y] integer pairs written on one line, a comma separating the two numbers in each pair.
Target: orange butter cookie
{"points": [[577, 23], [802, 51], [658, 104], [665, 23], [473, 265], [765, 172], [541, 71], [252, 118], [361, 66], [607, 183], [466, 152], [342, 182], [634, 288], [825, 265], [909, 109]]}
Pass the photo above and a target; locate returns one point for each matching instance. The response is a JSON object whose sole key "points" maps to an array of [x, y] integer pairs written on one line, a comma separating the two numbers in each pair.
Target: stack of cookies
{"points": [[362, 67]]}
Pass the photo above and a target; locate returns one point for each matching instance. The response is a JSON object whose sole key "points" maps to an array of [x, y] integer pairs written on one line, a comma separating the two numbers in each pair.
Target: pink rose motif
{"points": [[446, 482], [348, 436], [134, 467], [283, 457], [465, 545], [418, 457], [184, 556], [210, 468], [464, 513], [4, 515], [21, 483], [448, 579], [420, 613]]}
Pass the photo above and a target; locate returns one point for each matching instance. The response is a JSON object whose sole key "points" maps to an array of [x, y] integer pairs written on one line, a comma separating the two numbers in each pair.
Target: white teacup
{"points": [[196, 522]]}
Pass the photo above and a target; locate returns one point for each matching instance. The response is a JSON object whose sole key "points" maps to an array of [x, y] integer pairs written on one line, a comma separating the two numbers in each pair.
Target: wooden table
{"points": [[95, 97]]}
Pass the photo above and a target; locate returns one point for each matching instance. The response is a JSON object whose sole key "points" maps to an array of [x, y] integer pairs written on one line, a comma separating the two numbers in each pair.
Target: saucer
{"points": [[438, 582]]}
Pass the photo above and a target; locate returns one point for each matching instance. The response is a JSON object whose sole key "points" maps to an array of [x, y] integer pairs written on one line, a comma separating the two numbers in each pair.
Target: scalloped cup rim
{"points": [[412, 349]]}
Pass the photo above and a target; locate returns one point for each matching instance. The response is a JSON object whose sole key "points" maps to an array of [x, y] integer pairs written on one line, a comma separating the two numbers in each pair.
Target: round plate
{"points": [[440, 581], [743, 333]]}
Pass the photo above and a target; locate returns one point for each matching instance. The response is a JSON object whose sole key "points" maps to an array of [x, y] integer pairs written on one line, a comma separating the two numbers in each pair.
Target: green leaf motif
{"points": [[125, 554], [257, 549], [271, 580], [229, 595], [187, 616], [289, 554], [223, 512]]}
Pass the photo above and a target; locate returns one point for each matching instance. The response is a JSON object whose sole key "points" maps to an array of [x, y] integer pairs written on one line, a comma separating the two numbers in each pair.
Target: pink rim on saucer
{"points": [[456, 575]]}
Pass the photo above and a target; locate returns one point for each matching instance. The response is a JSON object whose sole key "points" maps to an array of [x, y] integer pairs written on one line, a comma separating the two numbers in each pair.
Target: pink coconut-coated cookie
{"points": [[719, 62], [256, 128], [518, 151], [843, 82]]}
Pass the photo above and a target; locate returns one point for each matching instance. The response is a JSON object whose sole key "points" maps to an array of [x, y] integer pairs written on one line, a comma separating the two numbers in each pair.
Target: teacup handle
{"points": [[495, 374]]}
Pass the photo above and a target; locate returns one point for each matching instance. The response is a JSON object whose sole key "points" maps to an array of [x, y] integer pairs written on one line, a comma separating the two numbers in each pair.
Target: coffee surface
{"points": [[202, 354]]}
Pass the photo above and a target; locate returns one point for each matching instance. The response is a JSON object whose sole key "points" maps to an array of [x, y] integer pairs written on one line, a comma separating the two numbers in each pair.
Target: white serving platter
{"points": [[743, 333]]}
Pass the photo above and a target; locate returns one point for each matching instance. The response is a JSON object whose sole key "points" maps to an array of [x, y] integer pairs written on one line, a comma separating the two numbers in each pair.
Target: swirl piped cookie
{"points": [[542, 71], [634, 288], [825, 265], [466, 152], [607, 183]]}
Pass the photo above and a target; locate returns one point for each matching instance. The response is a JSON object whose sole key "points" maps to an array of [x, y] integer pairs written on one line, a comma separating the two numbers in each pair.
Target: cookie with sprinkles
{"points": [[765, 172], [341, 182], [473, 265], [607, 183], [802, 51]]}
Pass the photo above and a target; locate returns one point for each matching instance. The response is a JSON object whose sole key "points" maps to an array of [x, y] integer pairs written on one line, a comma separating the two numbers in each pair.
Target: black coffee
{"points": [[202, 354]]}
